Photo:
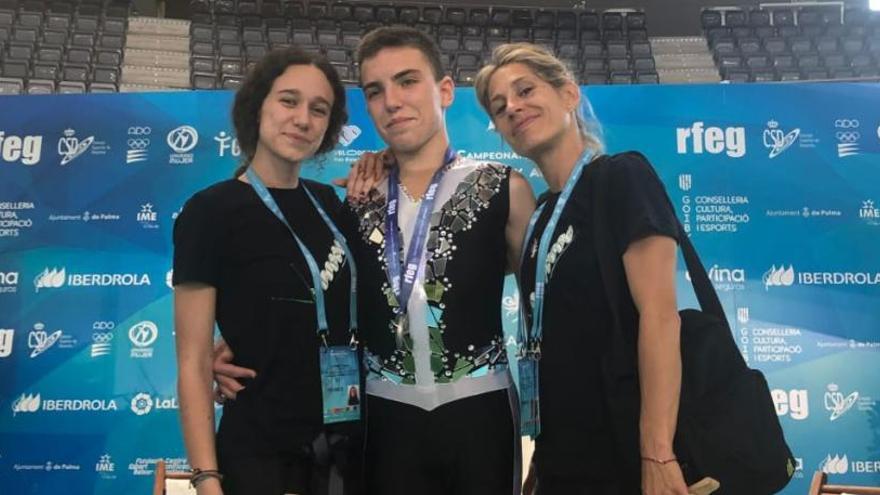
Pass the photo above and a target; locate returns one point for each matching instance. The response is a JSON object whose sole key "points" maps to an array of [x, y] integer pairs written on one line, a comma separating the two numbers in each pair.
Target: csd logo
{"points": [[103, 325]]}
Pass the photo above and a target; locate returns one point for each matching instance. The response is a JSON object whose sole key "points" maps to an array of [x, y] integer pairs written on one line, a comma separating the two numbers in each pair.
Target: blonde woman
{"points": [[584, 448]]}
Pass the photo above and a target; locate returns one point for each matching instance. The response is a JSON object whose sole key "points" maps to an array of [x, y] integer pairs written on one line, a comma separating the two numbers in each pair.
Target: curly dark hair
{"points": [[250, 96]]}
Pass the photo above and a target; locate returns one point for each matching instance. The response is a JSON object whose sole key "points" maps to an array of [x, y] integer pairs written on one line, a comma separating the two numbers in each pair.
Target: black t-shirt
{"points": [[576, 436], [226, 237]]}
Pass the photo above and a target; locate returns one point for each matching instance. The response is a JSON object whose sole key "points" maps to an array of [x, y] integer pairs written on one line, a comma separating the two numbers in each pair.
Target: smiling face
{"points": [[531, 114], [404, 99], [295, 114]]}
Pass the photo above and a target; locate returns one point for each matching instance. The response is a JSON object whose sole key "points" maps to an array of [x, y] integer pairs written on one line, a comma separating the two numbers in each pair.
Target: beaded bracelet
{"points": [[659, 461], [200, 475]]}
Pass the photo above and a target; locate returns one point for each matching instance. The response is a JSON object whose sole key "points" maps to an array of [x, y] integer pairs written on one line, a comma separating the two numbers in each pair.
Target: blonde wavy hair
{"points": [[547, 67]]}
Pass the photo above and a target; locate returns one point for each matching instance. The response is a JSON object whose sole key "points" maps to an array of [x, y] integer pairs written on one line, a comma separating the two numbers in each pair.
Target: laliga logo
{"points": [[835, 465], [70, 147], [836, 403], [39, 341], [141, 404], [778, 277], [776, 140], [26, 403], [50, 279], [349, 134]]}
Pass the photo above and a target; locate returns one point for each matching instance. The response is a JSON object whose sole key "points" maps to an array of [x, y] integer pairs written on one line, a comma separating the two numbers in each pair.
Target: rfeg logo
{"points": [[26, 149], [791, 403], [699, 138]]}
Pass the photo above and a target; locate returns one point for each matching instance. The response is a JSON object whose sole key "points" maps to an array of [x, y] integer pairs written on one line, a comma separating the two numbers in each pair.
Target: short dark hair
{"points": [[401, 37], [253, 92]]}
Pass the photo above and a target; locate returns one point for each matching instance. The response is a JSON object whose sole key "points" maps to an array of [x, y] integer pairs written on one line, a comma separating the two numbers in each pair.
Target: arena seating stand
{"points": [[792, 43]]}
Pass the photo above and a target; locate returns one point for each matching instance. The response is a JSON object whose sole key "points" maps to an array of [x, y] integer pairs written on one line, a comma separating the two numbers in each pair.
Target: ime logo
{"points": [[698, 139]]}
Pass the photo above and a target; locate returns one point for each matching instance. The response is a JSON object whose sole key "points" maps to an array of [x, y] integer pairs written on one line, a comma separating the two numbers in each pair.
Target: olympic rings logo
{"points": [[103, 325], [847, 137], [102, 338], [138, 144], [139, 131], [846, 124]]}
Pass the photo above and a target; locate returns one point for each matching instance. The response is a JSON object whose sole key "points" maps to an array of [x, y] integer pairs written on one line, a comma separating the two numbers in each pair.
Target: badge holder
{"points": [[340, 383], [529, 403]]}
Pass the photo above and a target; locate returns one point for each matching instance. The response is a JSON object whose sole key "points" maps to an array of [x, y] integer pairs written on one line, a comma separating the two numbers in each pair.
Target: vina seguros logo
{"points": [[699, 139], [777, 140], [26, 149], [8, 282]]}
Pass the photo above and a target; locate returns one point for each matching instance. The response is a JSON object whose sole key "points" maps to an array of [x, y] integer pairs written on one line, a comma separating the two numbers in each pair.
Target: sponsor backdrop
{"points": [[779, 187]]}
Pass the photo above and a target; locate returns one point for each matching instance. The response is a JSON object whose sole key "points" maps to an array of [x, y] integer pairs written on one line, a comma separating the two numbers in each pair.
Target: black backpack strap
{"points": [[608, 258]]}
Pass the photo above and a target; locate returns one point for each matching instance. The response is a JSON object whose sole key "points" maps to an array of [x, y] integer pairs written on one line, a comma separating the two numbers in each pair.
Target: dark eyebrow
{"points": [[396, 77], [404, 73], [296, 92]]}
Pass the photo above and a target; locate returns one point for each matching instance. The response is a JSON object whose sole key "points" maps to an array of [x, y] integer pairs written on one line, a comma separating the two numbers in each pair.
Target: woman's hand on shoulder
{"points": [[370, 169]]}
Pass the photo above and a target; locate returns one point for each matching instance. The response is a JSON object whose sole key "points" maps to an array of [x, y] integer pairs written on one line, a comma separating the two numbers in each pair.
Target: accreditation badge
{"points": [[529, 406], [340, 384]]}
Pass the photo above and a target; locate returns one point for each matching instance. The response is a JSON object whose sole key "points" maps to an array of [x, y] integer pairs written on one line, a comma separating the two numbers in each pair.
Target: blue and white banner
{"points": [[778, 185]]}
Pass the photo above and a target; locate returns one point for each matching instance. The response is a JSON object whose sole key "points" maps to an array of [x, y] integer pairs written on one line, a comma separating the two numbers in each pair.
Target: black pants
{"points": [[465, 447], [283, 473], [273, 475], [583, 486]]}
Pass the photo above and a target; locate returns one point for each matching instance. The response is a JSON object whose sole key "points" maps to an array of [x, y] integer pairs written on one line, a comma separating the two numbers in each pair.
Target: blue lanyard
{"points": [[317, 290], [532, 341], [416, 252]]}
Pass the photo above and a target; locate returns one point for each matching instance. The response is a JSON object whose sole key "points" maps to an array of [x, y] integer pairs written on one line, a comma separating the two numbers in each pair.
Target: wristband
{"points": [[659, 461], [200, 475]]}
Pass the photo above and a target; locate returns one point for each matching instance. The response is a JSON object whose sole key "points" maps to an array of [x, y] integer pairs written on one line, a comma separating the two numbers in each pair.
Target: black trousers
{"points": [[584, 486], [465, 447], [289, 472], [269, 475]]}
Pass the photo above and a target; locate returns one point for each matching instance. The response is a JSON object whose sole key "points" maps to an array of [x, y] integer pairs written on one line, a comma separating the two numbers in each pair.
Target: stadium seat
{"points": [[202, 80], [11, 85], [39, 87], [71, 87], [46, 70]]}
